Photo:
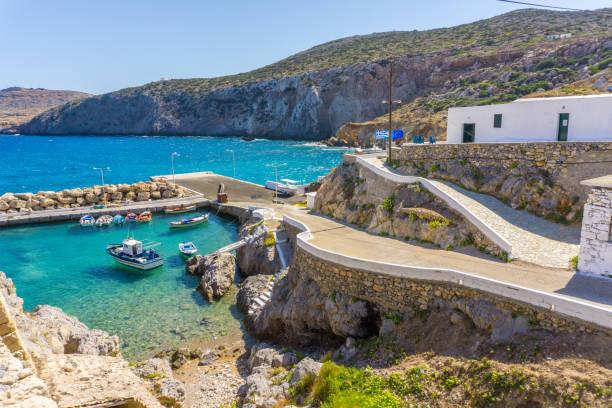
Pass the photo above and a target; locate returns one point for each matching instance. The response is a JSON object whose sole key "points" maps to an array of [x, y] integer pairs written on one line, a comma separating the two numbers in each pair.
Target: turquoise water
{"points": [[65, 265], [34, 163]]}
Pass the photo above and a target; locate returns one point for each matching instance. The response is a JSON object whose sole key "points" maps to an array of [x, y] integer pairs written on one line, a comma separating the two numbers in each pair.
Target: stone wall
{"points": [[11, 203], [542, 178], [596, 236], [398, 293]]}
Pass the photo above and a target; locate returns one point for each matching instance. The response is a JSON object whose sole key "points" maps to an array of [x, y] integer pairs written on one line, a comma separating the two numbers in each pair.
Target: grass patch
{"points": [[574, 262], [270, 239], [388, 204], [433, 224]]}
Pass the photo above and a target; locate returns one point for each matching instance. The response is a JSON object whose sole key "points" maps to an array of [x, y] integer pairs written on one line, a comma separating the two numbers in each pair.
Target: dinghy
{"points": [[145, 216], [131, 217], [187, 249], [87, 221], [179, 210], [189, 222], [104, 221], [134, 254], [118, 219]]}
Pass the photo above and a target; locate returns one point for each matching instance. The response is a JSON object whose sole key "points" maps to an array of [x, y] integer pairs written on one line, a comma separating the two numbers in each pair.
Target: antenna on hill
{"points": [[541, 5]]}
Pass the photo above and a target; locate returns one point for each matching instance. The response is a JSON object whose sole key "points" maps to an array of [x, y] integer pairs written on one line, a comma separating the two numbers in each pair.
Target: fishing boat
{"points": [[131, 217], [145, 216], [179, 210], [187, 249], [104, 221], [135, 254], [189, 222], [247, 138], [87, 221], [118, 219]]}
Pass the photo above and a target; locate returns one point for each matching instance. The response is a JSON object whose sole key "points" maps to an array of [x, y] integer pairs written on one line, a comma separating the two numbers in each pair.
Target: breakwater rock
{"points": [[82, 197], [216, 272]]}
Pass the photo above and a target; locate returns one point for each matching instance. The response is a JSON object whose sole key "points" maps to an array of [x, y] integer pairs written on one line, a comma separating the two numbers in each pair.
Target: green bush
{"points": [[388, 204]]}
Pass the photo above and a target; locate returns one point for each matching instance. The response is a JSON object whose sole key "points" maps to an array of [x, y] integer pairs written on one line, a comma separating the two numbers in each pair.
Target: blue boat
{"points": [[133, 253], [87, 221], [118, 219]]}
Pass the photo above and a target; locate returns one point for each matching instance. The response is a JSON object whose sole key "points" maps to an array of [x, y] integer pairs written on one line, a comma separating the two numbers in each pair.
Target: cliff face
{"points": [[309, 106], [312, 94], [19, 105]]}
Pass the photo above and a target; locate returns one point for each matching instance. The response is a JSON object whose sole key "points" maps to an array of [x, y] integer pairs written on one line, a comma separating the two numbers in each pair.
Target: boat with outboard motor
{"points": [[104, 221], [135, 254], [87, 221], [187, 249], [118, 219], [131, 217], [189, 222]]}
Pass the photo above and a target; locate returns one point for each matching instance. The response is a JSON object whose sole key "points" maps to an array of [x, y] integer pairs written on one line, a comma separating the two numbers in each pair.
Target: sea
{"points": [[65, 265]]}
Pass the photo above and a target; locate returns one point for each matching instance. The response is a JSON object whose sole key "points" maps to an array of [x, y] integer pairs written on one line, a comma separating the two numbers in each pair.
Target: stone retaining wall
{"points": [[596, 235], [398, 293], [543, 178]]}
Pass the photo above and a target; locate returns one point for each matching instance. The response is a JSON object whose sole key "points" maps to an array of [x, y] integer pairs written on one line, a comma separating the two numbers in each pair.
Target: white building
{"points": [[570, 118]]}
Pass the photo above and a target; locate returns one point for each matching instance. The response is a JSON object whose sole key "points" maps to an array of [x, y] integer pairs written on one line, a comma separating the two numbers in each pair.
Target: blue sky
{"points": [[100, 46]]}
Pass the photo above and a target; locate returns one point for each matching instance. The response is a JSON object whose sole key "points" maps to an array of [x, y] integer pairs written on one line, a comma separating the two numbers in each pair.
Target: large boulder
{"points": [[306, 367], [4, 205], [217, 272]]}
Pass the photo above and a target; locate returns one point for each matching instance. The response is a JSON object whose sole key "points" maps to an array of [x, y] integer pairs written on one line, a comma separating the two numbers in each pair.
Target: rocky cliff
{"points": [[19, 105], [312, 94]]}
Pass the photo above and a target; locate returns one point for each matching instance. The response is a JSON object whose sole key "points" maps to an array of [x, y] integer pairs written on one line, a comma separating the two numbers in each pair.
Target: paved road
{"points": [[334, 236], [533, 239]]}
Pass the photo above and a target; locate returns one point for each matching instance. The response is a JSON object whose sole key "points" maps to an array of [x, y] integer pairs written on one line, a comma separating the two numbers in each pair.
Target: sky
{"points": [[98, 46]]}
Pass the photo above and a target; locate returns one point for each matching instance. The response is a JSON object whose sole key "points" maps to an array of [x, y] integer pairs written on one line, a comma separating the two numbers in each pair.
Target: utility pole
{"points": [[172, 156], [390, 103], [102, 177], [233, 160]]}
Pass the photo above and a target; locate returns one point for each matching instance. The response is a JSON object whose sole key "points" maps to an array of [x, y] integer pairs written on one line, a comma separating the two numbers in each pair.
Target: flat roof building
{"points": [[571, 118]]}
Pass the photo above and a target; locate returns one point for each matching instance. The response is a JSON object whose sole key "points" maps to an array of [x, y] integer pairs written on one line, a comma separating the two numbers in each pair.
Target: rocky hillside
{"points": [[19, 105], [312, 94]]}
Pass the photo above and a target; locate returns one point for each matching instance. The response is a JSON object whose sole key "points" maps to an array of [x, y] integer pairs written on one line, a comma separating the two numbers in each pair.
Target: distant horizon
{"points": [[109, 45]]}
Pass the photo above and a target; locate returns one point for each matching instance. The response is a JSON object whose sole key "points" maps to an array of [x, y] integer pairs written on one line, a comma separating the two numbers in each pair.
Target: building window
{"points": [[497, 120]]}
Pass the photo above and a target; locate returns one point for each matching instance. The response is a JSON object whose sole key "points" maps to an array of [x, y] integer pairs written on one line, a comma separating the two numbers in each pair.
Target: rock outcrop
{"points": [[111, 194], [63, 363], [404, 211], [216, 271], [256, 258]]}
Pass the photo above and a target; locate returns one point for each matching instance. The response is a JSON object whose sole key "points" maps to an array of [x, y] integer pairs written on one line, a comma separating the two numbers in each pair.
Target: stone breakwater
{"points": [[542, 178], [113, 194]]}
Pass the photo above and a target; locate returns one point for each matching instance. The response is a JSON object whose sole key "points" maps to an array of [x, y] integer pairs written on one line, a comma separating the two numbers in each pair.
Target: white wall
{"points": [[536, 120]]}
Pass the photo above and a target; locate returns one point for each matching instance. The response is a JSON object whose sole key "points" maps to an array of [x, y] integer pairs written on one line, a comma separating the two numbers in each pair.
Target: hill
{"points": [[19, 105], [311, 94]]}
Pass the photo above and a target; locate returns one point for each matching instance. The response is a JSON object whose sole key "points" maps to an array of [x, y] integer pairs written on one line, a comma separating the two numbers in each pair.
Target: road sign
{"points": [[397, 134], [382, 134]]}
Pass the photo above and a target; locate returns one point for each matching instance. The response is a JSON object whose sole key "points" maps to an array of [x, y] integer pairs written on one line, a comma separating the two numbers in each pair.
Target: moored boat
{"points": [[118, 219], [145, 216], [131, 217], [134, 254], [189, 222], [104, 221], [187, 249], [87, 221], [179, 210]]}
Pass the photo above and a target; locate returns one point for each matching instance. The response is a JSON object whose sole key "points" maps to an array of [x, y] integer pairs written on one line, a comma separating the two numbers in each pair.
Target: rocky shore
{"points": [[112, 194]]}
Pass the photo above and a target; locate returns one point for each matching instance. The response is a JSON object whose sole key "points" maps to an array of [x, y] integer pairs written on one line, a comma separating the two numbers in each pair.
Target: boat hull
{"points": [[139, 266], [181, 210]]}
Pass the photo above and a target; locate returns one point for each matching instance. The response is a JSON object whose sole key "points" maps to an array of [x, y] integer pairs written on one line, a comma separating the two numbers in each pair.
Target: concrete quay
{"points": [[68, 214]]}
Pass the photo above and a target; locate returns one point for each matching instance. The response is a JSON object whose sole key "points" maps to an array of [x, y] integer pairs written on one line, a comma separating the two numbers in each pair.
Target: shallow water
{"points": [[65, 265], [34, 163]]}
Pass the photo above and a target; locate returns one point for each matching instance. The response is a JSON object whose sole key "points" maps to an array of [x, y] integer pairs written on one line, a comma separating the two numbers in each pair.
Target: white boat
{"points": [[187, 248], [286, 187], [134, 254], [179, 210], [189, 222], [104, 221], [87, 221], [118, 219]]}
